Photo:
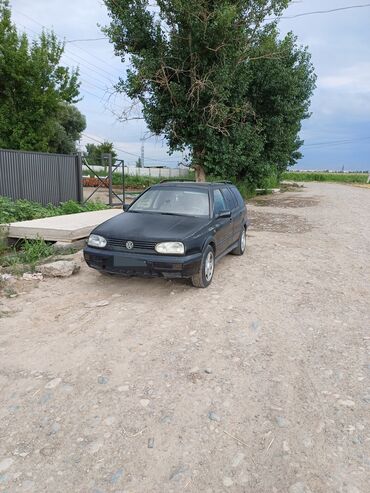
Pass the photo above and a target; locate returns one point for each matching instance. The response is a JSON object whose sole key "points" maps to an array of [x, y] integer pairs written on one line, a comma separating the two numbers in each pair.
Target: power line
{"points": [[127, 152], [318, 12], [335, 143], [85, 39], [78, 47]]}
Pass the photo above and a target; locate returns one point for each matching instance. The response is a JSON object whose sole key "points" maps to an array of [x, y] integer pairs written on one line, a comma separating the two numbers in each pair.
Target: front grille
{"points": [[139, 245]]}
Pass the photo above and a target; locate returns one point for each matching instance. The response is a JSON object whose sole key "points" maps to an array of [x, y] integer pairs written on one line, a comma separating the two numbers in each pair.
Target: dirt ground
{"points": [[258, 384]]}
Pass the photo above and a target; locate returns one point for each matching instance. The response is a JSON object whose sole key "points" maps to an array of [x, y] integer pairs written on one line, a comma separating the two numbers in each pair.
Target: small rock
{"points": [[109, 421], [227, 482], [5, 464], [94, 447], [366, 399], [239, 457], [5, 277], [144, 402], [282, 422], [60, 268], [55, 427], [97, 304], [47, 451], [208, 371], [116, 476], [177, 473], [102, 380], [123, 388], [151, 443], [299, 488], [213, 416], [28, 485], [346, 403], [36, 276], [53, 383]]}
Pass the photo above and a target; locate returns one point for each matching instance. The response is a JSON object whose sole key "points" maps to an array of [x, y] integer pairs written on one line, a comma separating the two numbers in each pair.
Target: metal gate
{"points": [[107, 181]]}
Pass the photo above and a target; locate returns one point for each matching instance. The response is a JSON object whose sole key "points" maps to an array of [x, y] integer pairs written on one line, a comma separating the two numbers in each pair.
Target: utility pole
{"points": [[142, 152]]}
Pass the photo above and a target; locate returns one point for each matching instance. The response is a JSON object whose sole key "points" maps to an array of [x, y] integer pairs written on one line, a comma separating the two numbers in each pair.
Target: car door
{"points": [[240, 213], [223, 225], [232, 206]]}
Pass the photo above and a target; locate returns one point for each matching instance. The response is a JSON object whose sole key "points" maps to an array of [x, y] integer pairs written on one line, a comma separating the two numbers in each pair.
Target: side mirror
{"points": [[125, 207], [223, 214]]}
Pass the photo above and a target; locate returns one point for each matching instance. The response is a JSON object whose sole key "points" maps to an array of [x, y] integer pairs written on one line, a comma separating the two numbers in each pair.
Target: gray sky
{"points": [[337, 134]]}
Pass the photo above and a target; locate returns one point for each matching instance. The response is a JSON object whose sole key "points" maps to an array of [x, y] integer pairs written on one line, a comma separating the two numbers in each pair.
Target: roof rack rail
{"points": [[176, 180], [227, 182]]}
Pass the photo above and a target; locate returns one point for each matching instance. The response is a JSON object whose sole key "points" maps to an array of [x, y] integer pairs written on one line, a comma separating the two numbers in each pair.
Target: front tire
{"points": [[242, 243], [203, 278]]}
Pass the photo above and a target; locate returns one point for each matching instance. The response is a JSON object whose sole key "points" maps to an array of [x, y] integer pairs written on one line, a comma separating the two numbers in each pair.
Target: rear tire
{"points": [[242, 243], [203, 278]]}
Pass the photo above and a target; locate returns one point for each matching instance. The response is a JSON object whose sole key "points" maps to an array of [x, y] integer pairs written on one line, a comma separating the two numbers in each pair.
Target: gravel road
{"points": [[258, 384]]}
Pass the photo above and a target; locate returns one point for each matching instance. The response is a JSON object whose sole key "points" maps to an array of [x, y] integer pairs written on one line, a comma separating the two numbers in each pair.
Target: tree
{"points": [[67, 131], [94, 152], [195, 68], [138, 163], [36, 92]]}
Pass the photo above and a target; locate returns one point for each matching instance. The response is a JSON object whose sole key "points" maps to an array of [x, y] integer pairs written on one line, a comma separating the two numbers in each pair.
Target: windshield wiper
{"points": [[171, 214]]}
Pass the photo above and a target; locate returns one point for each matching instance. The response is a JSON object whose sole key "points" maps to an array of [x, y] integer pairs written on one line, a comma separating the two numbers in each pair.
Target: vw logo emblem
{"points": [[129, 245]]}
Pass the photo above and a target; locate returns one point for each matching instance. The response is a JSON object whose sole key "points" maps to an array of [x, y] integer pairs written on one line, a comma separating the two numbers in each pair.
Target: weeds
{"points": [[24, 210], [322, 176], [29, 253]]}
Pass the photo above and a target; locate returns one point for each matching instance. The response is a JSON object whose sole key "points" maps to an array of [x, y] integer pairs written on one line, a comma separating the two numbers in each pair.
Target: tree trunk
{"points": [[198, 160], [200, 174]]}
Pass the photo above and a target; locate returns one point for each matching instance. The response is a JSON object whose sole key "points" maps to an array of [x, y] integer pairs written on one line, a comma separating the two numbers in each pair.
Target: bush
{"points": [[23, 210]]}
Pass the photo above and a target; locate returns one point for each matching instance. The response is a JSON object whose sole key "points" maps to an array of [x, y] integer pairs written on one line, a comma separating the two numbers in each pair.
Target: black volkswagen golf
{"points": [[173, 229]]}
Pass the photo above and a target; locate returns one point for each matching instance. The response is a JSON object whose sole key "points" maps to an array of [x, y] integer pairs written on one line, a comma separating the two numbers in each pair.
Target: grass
{"points": [[26, 254], [23, 210], [322, 176], [138, 182]]}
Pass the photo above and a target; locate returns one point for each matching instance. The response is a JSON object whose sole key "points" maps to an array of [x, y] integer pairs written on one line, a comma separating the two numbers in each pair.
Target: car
{"points": [[175, 229]]}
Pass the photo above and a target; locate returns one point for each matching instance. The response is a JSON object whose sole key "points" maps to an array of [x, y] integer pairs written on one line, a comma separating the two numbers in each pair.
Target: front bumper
{"points": [[147, 265]]}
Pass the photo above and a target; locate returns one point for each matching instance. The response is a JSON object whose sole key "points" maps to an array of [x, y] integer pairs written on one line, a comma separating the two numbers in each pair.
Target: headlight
{"points": [[96, 241], [170, 247]]}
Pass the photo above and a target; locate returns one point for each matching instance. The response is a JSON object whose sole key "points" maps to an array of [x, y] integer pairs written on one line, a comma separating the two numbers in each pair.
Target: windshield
{"points": [[173, 201]]}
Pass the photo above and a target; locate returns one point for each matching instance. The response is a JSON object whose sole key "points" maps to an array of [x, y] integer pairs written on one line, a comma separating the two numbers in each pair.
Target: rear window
{"points": [[238, 197]]}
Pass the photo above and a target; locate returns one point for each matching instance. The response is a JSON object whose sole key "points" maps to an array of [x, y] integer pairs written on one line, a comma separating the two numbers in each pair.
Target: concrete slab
{"points": [[67, 228]]}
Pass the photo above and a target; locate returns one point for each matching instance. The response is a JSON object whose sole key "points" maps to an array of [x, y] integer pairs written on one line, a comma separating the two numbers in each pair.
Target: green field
{"points": [[322, 176]]}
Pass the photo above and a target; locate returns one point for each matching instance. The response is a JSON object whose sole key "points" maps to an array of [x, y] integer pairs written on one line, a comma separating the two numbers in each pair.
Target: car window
{"points": [[230, 200], [173, 201], [218, 201], [238, 197]]}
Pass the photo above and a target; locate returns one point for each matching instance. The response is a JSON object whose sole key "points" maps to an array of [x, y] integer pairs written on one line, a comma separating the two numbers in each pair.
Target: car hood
{"points": [[151, 226]]}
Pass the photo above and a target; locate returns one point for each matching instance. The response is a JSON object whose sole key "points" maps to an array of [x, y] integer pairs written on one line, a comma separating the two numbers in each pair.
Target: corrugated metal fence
{"points": [[44, 178]]}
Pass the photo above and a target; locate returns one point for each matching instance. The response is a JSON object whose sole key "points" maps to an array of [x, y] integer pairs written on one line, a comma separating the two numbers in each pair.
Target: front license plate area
{"points": [[128, 262]]}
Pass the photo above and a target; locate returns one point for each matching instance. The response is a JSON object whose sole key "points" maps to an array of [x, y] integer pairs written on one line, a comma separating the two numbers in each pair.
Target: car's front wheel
{"points": [[240, 249], [203, 278]]}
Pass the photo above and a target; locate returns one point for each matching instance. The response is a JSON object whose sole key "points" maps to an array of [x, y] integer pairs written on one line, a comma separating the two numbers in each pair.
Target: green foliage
{"points": [[29, 253], [215, 78], [133, 181], [23, 210], [67, 130], [36, 92], [94, 152], [322, 176], [34, 250]]}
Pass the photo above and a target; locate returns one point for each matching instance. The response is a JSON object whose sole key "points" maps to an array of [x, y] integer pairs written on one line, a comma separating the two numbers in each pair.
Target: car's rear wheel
{"points": [[242, 243], [203, 278]]}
